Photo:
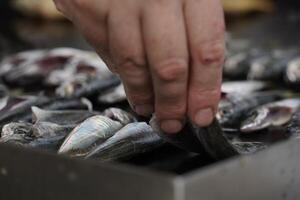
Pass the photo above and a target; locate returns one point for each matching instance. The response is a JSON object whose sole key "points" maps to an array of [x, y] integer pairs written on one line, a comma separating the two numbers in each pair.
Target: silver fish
{"points": [[19, 60], [62, 117], [237, 65], [43, 135], [90, 133], [273, 114], [293, 127], [271, 67], [134, 138], [249, 147], [234, 106], [114, 95], [292, 74], [119, 115], [243, 86]]}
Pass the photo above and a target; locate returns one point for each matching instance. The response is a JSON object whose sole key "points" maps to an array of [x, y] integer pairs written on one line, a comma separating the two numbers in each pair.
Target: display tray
{"points": [[29, 174]]}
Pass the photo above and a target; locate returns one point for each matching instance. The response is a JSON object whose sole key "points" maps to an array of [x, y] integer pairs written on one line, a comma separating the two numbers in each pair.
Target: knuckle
{"points": [[172, 111], [171, 70], [211, 53], [132, 67], [204, 97], [139, 97]]}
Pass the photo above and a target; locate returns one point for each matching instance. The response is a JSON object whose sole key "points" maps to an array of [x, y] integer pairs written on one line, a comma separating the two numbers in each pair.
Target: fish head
{"points": [[16, 128]]}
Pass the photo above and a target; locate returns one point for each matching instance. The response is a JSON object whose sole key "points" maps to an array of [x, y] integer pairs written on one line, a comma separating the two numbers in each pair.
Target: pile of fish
{"points": [[62, 100], [66, 101]]}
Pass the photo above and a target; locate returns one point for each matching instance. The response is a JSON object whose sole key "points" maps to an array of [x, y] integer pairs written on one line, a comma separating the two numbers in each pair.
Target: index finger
{"points": [[205, 26]]}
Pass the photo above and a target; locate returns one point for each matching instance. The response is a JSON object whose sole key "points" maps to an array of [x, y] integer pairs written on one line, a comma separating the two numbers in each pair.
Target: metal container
{"points": [[27, 174]]}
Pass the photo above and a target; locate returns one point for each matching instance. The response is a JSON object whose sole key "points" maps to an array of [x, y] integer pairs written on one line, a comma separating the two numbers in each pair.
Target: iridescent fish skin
{"points": [[243, 86], [119, 115], [43, 135], [90, 133], [133, 139], [249, 147], [234, 107], [62, 117], [275, 114]]}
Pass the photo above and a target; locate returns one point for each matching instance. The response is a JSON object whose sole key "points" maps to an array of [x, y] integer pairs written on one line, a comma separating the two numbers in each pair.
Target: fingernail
{"points": [[144, 110], [204, 117], [171, 126]]}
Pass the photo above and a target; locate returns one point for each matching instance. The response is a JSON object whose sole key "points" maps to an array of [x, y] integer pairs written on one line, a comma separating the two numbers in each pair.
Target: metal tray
{"points": [[28, 174]]}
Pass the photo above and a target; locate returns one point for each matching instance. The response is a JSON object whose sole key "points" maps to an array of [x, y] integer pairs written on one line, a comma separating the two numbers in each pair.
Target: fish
{"points": [[96, 86], [119, 115], [132, 139], [34, 71], [271, 67], [292, 129], [114, 95], [244, 86], [275, 114], [234, 107], [89, 134], [15, 61], [209, 141], [249, 147], [292, 73], [41, 135], [62, 117], [237, 65], [19, 108]]}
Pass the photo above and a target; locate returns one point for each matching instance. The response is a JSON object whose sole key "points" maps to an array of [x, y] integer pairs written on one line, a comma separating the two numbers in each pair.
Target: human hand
{"points": [[168, 53]]}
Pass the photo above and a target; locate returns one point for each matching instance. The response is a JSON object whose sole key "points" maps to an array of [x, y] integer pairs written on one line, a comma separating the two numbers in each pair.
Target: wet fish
{"points": [[292, 73], [234, 107], [271, 67], [132, 139], [12, 62], [114, 95], [249, 147], [237, 65], [273, 114], [293, 127], [35, 71], [89, 134], [119, 115], [19, 108], [209, 141], [62, 117], [43, 135], [96, 86], [244, 86]]}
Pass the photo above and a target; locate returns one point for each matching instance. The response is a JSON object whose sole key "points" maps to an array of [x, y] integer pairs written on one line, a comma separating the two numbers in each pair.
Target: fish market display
{"points": [[60, 100]]}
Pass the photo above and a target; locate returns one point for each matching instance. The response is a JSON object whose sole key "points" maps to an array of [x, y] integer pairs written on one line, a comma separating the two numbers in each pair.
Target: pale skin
{"points": [[168, 53]]}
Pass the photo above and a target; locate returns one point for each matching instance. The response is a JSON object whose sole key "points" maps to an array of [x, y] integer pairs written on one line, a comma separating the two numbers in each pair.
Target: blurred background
{"points": [[27, 24]]}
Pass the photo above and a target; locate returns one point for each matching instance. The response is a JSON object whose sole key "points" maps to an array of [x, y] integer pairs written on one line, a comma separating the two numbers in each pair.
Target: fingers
{"points": [[205, 27], [126, 48], [167, 53]]}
